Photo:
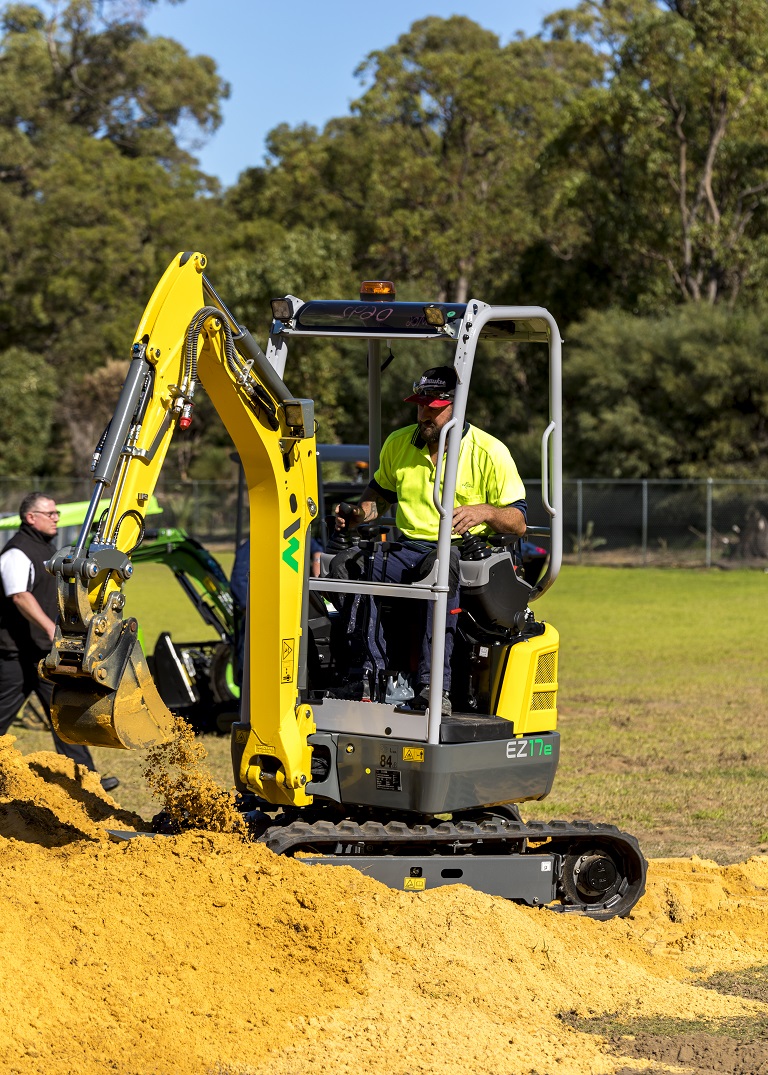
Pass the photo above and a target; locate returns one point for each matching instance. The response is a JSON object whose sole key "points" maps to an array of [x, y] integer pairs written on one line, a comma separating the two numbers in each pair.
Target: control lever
{"points": [[474, 547], [341, 538], [369, 531]]}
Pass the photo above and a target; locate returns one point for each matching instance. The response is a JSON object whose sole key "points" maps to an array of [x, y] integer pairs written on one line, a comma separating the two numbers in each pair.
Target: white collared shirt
{"points": [[17, 572]]}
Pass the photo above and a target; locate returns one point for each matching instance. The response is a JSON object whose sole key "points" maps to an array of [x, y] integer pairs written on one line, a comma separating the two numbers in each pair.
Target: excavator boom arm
{"points": [[103, 693]]}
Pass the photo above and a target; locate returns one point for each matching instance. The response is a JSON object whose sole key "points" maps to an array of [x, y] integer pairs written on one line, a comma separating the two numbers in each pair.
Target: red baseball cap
{"points": [[435, 388]]}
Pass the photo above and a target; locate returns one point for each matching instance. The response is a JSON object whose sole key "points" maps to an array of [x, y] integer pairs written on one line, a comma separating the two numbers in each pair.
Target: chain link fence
{"points": [[661, 523], [654, 523], [214, 512]]}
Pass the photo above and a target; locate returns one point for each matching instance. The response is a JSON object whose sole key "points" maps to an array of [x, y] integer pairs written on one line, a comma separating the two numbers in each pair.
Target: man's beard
{"points": [[429, 431]]}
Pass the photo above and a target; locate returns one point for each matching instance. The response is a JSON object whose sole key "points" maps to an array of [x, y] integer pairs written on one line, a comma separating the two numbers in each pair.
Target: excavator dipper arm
{"points": [[103, 692]]}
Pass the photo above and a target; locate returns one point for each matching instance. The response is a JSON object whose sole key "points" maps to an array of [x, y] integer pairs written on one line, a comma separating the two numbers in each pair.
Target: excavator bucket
{"points": [[131, 715]]}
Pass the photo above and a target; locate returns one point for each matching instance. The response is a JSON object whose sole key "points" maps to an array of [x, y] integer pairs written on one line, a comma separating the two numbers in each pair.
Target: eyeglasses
{"points": [[50, 514]]}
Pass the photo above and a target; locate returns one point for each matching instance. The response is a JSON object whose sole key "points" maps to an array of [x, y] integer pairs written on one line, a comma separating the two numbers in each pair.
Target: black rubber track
{"points": [[346, 839]]}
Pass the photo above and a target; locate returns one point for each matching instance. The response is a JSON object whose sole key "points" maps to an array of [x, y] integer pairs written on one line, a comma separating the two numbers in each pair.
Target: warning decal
{"points": [[414, 884], [413, 753], [286, 660]]}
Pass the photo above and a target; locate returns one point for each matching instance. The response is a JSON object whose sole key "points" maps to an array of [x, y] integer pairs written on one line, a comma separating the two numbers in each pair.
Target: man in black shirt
{"points": [[28, 609]]}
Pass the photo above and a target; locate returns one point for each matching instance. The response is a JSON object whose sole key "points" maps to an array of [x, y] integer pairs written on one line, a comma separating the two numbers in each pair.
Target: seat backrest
{"points": [[492, 590]]}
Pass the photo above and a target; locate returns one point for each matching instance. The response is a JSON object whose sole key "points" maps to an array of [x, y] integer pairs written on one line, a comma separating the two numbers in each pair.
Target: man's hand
{"points": [[368, 509], [468, 515], [347, 515], [508, 520]]}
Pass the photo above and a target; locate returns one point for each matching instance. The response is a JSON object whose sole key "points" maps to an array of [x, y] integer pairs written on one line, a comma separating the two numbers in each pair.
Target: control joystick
{"points": [[341, 538], [474, 547]]}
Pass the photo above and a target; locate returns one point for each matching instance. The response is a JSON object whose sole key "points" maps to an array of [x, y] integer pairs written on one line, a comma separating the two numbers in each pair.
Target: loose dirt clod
{"points": [[203, 953], [176, 773]]}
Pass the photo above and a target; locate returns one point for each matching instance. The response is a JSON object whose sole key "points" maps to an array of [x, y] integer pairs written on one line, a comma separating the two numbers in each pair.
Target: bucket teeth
{"points": [[131, 716]]}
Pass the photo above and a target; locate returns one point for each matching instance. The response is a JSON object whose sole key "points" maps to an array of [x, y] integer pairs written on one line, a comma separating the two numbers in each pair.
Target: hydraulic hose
{"points": [[240, 370], [247, 346]]}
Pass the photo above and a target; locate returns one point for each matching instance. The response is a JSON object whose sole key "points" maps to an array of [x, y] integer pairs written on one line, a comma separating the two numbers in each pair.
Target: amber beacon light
{"points": [[377, 290]]}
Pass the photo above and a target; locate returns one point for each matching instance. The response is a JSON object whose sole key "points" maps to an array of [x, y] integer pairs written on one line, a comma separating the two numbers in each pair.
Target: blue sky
{"points": [[295, 63]]}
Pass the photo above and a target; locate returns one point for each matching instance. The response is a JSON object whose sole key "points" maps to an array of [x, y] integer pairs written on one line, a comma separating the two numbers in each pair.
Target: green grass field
{"points": [[663, 704], [160, 604]]}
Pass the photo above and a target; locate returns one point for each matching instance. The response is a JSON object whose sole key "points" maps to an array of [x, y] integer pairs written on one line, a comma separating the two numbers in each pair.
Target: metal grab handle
{"points": [[545, 470], [441, 511]]}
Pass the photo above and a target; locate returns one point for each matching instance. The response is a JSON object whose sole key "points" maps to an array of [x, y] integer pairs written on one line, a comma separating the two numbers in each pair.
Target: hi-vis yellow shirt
{"points": [[486, 475]]}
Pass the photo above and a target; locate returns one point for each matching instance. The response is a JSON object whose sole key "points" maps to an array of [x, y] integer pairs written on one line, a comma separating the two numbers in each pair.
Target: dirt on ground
{"points": [[205, 954]]}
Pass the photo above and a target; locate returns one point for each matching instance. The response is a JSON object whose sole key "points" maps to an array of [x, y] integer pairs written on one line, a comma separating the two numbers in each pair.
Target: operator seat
{"points": [[492, 591]]}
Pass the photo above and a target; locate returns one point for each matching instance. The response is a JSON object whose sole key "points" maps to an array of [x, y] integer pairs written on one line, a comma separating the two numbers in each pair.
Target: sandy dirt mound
{"points": [[49, 800], [202, 953]]}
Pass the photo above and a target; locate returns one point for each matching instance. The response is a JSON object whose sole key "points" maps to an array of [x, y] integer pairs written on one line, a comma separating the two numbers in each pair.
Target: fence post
{"points": [[579, 517], [709, 524], [645, 521]]}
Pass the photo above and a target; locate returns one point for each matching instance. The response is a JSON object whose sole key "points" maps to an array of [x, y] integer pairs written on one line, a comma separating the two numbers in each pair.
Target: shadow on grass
{"points": [[751, 983]]}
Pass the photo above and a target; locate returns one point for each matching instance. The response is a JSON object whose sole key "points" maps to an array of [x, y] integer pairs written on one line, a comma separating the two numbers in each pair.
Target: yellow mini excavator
{"points": [[415, 799]]}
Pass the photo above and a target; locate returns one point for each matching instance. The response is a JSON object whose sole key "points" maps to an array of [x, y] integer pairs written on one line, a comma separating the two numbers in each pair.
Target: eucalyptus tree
{"points": [[96, 186], [663, 166], [432, 172]]}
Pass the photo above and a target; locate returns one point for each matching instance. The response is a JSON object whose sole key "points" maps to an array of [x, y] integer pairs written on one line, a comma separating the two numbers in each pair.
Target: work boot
{"points": [[109, 783], [421, 702], [357, 691]]}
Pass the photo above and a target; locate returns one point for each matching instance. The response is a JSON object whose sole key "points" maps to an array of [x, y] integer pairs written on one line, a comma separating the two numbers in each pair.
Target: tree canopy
{"points": [[613, 167], [672, 148], [94, 186]]}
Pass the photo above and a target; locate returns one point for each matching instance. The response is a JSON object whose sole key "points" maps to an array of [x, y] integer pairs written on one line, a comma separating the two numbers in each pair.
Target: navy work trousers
{"points": [[403, 565], [18, 679]]}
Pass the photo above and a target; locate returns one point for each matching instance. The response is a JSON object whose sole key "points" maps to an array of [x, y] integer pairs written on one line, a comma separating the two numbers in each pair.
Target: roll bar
{"points": [[516, 323]]}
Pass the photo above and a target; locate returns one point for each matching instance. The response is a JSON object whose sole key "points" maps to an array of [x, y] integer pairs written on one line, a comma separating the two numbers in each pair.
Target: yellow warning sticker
{"points": [[286, 660], [241, 735], [414, 884], [413, 753]]}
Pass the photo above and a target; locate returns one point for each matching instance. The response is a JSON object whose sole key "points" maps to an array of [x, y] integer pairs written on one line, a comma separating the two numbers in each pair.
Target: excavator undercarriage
{"points": [[576, 866]]}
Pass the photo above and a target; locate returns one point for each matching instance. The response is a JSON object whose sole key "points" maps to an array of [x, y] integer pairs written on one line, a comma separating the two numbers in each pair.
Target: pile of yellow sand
{"points": [[46, 799], [202, 953]]}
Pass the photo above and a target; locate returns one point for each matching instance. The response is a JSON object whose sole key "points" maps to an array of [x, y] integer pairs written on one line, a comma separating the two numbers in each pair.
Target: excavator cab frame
{"points": [[452, 751], [462, 327]]}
